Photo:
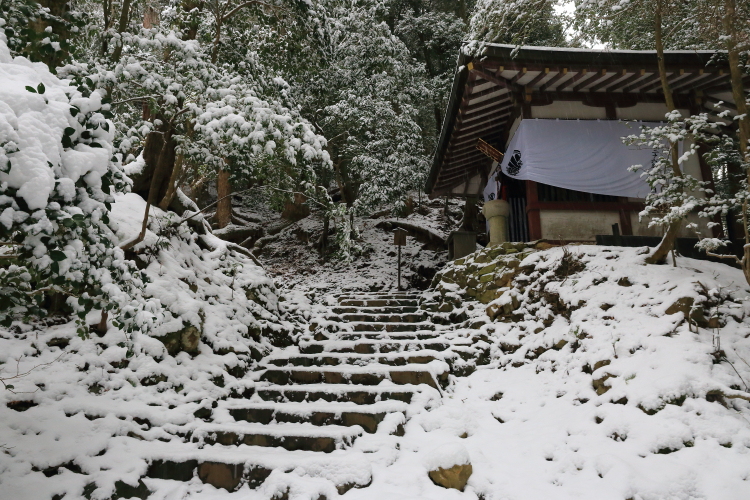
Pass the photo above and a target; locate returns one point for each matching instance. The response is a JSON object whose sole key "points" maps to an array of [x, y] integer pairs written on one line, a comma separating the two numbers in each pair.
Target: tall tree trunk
{"points": [[192, 28], [224, 206], [666, 245], [174, 180], [124, 16], [738, 93], [163, 165]]}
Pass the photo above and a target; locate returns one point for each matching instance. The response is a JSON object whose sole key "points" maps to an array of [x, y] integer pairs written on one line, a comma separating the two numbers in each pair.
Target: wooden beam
{"points": [[641, 83], [489, 123], [468, 171], [711, 82], [463, 156], [571, 81], [609, 80], [489, 150], [688, 81], [472, 119], [518, 76], [554, 79], [482, 106], [638, 74], [538, 78], [502, 82], [461, 176], [487, 135], [483, 93], [471, 138], [593, 79], [657, 84]]}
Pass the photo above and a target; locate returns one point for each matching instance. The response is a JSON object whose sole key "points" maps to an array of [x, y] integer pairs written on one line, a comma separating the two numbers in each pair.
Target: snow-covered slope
{"points": [[598, 386], [72, 406]]}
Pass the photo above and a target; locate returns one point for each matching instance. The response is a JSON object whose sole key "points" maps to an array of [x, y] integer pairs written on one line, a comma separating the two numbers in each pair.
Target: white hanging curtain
{"points": [[582, 155]]}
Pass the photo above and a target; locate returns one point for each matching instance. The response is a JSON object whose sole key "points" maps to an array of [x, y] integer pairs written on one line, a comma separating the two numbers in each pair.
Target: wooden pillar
{"points": [[626, 226], [532, 212]]}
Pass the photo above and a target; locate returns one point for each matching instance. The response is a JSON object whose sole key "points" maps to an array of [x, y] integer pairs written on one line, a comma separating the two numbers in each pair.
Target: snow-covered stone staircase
{"points": [[324, 407]]}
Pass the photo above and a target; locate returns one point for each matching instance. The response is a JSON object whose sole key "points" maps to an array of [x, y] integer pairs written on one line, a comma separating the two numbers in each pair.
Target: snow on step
{"points": [[378, 346], [349, 414], [230, 466], [375, 310], [382, 318], [358, 394], [373, 374], [388, 336], [384, 302], [290, 436], [336, 358]]}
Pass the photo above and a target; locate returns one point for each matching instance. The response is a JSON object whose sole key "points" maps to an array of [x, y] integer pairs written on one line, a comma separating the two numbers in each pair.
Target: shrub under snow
{"points": [[57, 175]]}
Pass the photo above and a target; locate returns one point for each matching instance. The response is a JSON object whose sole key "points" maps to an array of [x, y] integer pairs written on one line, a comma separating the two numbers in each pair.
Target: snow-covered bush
{"points": [[674, 193], [57, 176]]}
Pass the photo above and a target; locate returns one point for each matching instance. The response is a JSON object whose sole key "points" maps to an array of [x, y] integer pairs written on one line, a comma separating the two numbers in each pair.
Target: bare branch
{"points": [[246, 4]]}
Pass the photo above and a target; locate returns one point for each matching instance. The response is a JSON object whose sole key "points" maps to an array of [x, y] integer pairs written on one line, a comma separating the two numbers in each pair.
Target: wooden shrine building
{"points": [[564, 101]]}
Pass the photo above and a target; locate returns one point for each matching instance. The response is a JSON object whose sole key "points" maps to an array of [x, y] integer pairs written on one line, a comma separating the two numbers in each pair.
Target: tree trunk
{"points": [[224, 206], [660, 254], [124, 15], [174, 180], [164, 162], [738, 93], [666, 245]]}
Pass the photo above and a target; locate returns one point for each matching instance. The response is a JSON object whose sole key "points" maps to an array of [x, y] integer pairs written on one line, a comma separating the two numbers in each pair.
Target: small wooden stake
{"points": [[399, 239], [399, 267]]}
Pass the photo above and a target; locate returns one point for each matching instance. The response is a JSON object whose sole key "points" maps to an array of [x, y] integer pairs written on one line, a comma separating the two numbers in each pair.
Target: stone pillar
{"points": [[496, 212]]}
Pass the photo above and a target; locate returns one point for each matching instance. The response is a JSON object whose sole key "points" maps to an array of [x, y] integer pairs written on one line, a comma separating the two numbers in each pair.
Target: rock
{"points": [[186, 339], [488, 296], [601, 363], [240, 234], [487, 269], [683, 305], [599, 384], [624, 282], [221, 475], [445, 307], [454, 477], [190, 337], [486, 278]]}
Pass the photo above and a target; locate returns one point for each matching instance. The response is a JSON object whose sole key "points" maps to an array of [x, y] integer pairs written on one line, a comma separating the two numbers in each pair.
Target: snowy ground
{"points": [[296, 265], [673, 422]]}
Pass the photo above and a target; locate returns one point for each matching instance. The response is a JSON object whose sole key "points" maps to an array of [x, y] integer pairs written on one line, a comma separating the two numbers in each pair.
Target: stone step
{"points": [[231, 467], [370, 375], [290, 436], [388, 336], [365, 326], [383, 318], [362, 395], [334, 359], [375, 310], [317, 413], [373, 346], [379, 302], [381, 294]]}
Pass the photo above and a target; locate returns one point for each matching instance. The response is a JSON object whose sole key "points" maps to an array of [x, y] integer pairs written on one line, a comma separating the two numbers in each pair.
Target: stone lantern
{"points": [[496, 212]]}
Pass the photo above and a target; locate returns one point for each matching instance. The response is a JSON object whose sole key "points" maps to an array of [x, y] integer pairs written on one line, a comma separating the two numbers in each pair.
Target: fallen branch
{"points": [[18, 374]]}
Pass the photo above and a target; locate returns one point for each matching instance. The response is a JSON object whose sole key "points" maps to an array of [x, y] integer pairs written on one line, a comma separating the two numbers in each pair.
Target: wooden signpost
{"points": [[399, 239]]}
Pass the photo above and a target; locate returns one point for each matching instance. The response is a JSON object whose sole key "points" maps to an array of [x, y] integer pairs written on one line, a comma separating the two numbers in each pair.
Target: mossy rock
{"points": [[454, 477]]}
